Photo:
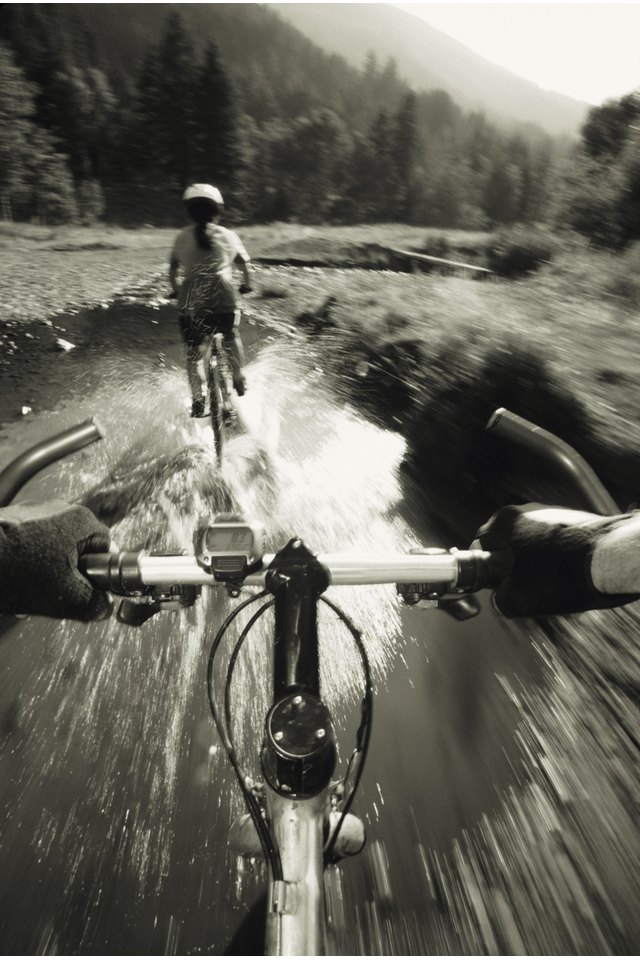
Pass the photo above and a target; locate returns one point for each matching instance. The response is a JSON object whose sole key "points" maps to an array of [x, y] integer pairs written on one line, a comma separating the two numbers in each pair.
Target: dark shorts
{"points": [[195, 330]]}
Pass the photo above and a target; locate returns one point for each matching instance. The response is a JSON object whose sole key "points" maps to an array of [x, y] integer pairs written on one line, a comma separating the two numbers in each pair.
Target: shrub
{"points": [[394, 324], [274, 293], [90, 201], [517, 253], [464, 472], [392, 383], [319, 320], [437, 246], [623, 279]]}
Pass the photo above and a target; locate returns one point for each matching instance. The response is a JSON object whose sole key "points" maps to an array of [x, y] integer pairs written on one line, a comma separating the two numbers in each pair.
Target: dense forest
{"points": [[108, 110]]}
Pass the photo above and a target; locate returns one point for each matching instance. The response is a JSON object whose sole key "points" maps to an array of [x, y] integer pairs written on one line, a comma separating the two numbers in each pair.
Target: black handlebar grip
{"points": [[116, 572], [481, 570]]}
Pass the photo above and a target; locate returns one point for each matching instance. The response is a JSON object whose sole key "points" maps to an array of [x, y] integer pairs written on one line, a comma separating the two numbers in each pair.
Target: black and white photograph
{"points": [[320, 479]]}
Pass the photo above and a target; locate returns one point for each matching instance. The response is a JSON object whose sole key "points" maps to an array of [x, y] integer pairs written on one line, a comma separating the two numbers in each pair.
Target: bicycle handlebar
{"points": [[15, 474], [518, 432], [127, 573]]}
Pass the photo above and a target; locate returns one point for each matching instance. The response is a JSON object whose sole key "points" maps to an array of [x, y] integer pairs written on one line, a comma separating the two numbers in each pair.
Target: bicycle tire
{"points": [[216, 402]]}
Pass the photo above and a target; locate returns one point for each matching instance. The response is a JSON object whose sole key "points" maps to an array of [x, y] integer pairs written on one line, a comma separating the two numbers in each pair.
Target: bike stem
{"points": [[298, 757], [296, 579]]}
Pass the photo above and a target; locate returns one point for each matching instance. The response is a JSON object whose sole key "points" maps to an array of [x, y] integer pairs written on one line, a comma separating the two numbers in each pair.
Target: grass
{"points": [[566, 312]]}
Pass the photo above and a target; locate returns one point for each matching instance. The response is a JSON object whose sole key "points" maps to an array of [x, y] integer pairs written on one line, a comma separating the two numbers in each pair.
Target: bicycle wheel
{"points": [[216, 399]]}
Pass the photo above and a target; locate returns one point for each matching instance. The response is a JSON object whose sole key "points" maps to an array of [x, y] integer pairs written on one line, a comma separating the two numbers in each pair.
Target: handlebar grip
{"points": [[115, 572], [480, 570]]}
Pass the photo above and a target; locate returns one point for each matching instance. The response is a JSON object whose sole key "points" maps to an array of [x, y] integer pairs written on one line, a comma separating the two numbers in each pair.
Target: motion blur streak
{"points": [[499, 796]]}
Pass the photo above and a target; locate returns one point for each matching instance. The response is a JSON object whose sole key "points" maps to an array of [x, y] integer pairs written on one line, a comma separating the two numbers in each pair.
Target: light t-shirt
{"points": [[208, 273]]}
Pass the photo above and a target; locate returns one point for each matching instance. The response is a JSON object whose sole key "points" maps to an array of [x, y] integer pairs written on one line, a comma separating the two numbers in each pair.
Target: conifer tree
{"points": [[217, 155], [405, 151], [166, 104]]}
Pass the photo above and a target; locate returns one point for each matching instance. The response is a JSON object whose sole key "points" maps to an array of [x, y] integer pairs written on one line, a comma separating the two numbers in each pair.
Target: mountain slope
{"points": [[264, 54], [428, 59]]}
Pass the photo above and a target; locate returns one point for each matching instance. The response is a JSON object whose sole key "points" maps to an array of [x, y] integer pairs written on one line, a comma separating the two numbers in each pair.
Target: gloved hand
{"points": [[245, 288], [547, 553], [40, 544]]}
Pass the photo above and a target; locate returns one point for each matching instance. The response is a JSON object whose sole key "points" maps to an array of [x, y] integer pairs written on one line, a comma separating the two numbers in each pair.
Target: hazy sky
{"points": [[590, 51]]}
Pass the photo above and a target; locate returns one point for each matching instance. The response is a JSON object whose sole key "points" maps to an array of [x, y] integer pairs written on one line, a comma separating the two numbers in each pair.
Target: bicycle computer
{"points": [[231, 549]]}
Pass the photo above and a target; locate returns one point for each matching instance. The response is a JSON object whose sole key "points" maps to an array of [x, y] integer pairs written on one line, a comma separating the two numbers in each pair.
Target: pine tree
{"points": [[384, 171], [164, 108], [216, 152], [405, 153]]}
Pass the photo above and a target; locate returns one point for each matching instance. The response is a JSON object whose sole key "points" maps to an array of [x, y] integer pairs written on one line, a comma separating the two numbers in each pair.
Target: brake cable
{"points": [[363, 734], [272, 855]]}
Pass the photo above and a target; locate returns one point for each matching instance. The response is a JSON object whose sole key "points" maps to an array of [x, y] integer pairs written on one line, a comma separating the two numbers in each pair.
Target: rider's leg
{"points": [[192, 358], [229, 327], [236, 351]]}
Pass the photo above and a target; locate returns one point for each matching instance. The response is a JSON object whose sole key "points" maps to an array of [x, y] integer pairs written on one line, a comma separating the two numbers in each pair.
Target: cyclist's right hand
{"points": [[40, 545], [245, 288], [563, 561]]}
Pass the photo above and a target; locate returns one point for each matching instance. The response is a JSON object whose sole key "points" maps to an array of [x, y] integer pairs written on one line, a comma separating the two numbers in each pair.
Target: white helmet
{"points": [[203, 191]]}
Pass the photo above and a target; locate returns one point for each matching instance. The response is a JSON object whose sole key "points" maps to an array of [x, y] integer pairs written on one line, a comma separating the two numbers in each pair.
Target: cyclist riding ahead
{"points": [[207, 299]]}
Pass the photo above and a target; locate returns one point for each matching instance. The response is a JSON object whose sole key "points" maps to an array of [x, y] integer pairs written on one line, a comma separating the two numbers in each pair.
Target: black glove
{"points": [[245, 288], [548, 561], [40, 544]]}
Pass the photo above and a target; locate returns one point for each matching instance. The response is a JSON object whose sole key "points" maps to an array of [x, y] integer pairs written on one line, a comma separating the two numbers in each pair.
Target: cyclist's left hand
{"points": [[246, 288], [40, 545]]}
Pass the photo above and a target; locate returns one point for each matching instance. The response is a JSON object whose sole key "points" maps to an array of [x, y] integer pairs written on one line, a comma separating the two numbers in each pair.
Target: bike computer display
{"points": [[232, 549]]}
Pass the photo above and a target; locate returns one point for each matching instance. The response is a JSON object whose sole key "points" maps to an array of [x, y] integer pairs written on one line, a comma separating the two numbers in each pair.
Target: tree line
{"points": [[79, 144]]}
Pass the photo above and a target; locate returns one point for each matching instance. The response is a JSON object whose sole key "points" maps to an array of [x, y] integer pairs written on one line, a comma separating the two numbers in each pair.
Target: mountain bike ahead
{"points": [[219, 389], [299, 815]]}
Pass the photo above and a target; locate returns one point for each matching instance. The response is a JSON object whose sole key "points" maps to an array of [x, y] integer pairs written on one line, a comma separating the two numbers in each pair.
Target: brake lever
{"points": [[462, 606], [135, 613]]}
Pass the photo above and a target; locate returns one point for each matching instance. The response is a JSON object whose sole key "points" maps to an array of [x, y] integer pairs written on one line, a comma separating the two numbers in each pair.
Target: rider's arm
{"points": [[242, 260], [246, 276], [560, 561], [40, 545], [615, 563], [174, 266]]}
